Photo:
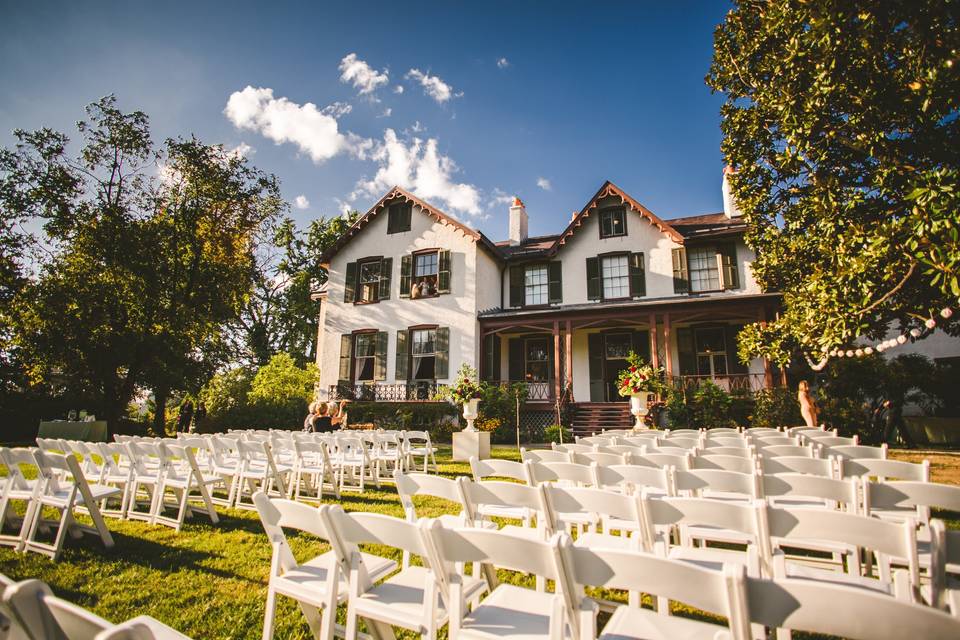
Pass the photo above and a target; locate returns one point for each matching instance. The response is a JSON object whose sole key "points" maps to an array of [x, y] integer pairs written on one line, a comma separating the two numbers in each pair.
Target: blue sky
{"points": [[541, 100]]}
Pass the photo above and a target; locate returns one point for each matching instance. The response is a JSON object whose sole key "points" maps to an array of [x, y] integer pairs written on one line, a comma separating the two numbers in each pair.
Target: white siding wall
{"points": [[457, 310]]}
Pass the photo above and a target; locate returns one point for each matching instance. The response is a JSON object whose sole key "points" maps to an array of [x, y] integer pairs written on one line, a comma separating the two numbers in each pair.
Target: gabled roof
{"points": [[609, 189], [396, 193], [534, 246], [709, 225]]}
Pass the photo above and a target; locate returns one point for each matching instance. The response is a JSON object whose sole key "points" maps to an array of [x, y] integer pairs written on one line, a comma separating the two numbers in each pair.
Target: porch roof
{"points": [[650, 305]]}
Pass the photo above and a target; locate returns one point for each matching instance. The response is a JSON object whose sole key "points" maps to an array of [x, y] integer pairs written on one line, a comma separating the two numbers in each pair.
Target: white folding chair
{"points": [[543, 455], [417, 444], [600, 457], [508, 500], [772, 465], [617, 511], [725, 462], [859, 451], [883, 469], [115, 473], [944, 568], [353, 459], [780, 450], [677, 461], [64, 488], [317, 584], [509, 611], [810, 491], [259, 471], [495, 468], [656, 481], [225, 462], [182, 476], [313, 467], [145, 475], [387, 455], [825, 439], [18, 488], [604, 568]]}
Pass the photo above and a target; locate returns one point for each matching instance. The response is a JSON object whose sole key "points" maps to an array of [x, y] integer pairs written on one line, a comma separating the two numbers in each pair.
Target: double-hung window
{"points": [[369, 281], [423, 354], [704, 269], [536, 285], [364, 356], [615, 272], [613, 222], [537, 359], [425, 272]]}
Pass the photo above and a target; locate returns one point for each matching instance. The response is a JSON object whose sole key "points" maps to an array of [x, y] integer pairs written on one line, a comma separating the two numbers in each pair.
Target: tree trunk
{"points": [[160, 395]]}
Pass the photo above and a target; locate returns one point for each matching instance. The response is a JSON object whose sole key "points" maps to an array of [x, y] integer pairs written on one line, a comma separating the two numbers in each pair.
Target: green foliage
{"points": [[553, 434], [439, 418], [638, 376], [499, 403], [841, 120], [704, 406], [226, 399], [281, 391], [774, 408], [466, 386]]}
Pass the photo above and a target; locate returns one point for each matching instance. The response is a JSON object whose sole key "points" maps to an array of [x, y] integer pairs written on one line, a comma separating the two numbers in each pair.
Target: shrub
{"points": [[711, 406], [439, 418], [499, 402], [777, 407], [225, 397], [553, 432]]}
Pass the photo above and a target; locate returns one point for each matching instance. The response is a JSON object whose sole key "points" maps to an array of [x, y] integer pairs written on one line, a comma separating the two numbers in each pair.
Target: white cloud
{"points": [[433, 86], [398, 88], [242, 150], [503, 63], [386, 113], [417, 127], [361, 75], [544, 183], [500, 197], [420, 167], [313, 131], [337, 109], [301, 202]]}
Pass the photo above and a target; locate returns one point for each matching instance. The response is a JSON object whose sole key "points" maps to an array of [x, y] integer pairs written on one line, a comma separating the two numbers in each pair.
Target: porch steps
{"points": [[592, 417]]}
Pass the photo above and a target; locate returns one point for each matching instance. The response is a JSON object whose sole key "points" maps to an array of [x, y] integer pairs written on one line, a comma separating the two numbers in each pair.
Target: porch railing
{"points": [[731, 383], [402, 392], [536, 391]]}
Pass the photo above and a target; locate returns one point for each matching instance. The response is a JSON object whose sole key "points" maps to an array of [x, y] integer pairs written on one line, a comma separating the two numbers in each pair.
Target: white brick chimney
{"points": [[518, 222], [730, 208]]}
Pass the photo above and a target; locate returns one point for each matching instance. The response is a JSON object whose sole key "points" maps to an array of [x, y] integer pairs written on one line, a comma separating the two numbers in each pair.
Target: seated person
{"points": [[323, 423]]}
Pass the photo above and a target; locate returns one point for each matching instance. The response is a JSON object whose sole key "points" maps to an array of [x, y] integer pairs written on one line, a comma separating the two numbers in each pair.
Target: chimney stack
{"points": [[730, 208], [518, 222]]}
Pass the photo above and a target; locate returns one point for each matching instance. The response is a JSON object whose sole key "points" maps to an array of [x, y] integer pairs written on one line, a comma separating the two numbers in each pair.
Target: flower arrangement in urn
{"points": [[465, 391], [637, 382]]}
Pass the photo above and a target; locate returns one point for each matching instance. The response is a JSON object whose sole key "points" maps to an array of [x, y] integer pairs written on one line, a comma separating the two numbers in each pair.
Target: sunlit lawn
{"points": [[209, 581]]}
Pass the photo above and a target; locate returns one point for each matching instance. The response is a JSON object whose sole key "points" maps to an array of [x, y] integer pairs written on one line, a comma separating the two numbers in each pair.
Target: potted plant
{"points": [[638, 382], [465, 391]]}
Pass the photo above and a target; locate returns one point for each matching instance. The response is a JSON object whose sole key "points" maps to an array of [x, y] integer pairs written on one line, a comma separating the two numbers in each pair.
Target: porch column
{"points": [[556, 359], [668, 355], [654, 356], [569, 358]]}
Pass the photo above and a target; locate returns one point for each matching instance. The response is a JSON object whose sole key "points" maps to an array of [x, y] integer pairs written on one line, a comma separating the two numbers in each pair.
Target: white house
{"points": [[413, 293]]}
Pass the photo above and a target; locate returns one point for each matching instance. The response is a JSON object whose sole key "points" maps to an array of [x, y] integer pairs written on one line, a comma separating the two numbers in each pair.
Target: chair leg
{"points": [[269, 614]]}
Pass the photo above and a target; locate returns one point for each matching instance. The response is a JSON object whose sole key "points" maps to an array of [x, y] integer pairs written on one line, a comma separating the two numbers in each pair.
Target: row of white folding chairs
{"points": [[424, 597], [721, 520], [30, 611]]}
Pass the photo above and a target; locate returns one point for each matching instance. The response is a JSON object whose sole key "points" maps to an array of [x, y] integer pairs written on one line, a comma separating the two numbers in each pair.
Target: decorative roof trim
{"points": [[397, 193], [609, 189]]}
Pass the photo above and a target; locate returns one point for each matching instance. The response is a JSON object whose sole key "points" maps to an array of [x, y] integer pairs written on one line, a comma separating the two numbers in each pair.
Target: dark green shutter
{"points": [[516, 286], [491, 357], [443, 268], [392, 219], [728, 263], [681, 282], [406, 275], [555, 273], [380, 357], [593, 279], [406, 217], [442, 363], [346, 354], [687, 352], [638, 279], [386, 271], [350, 283], [515, 363], [595, 358], [403, 356], [733, 360]]}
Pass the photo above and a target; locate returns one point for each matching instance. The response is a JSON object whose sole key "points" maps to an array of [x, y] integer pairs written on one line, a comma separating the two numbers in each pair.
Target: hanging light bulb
{"points": [[902, 339], [833, 353], [859, 353], [931, 323], [946, 312], [868, 350], [849, 353], [915, 332]]}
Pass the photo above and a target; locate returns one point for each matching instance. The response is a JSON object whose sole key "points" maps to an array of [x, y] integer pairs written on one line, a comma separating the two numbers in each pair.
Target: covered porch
{"points": [[575, 353]]}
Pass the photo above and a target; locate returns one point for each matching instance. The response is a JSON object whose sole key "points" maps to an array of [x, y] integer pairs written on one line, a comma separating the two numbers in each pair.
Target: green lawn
{"points": [[208, 581]]}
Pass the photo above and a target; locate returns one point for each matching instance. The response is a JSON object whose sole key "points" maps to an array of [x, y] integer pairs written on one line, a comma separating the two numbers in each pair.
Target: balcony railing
{"points": [[536, 391], [731, 383], [423, 391]]}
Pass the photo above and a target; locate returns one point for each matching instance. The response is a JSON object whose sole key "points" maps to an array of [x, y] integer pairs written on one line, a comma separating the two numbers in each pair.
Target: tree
{"points": [[281, 315], [841, 122], [146, 255]]}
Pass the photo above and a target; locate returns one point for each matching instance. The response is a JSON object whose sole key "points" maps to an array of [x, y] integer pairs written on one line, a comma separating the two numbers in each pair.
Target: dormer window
{"points": [[613, 222], [398, 217]]}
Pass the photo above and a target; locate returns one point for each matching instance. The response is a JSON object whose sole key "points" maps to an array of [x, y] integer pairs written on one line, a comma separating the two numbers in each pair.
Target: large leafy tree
{"points": [[281, 315], [147, 254], [841, 121]]}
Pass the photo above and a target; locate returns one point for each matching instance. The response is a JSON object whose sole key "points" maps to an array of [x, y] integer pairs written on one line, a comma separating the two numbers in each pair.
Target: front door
{"points": [[608, 357]]}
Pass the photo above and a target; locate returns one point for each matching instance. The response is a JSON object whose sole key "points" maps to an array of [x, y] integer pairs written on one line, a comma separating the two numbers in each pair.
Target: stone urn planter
{"points": [[470, 412], [638, 408]]}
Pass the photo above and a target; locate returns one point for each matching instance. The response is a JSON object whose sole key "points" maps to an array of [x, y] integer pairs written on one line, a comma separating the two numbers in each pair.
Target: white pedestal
{"points": [[471, 444]]}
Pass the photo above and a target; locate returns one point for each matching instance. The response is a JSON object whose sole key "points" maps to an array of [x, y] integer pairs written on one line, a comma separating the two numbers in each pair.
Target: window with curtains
{"points": [[615, 271], [699, 269], [425, 271], [704, 269], [364, 356], [537, 359], [423, 354]]}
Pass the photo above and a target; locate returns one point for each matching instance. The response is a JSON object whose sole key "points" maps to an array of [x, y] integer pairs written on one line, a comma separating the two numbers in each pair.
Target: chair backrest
{"points": [[682, 443], [681, 433], [583, 448], [350, 530], [762, 431], [641, 439], [277, 514], [670, 511], [771, 441], [632, 477], [543, 455], [13, 459], [423, 484], [565, 472], [804, 486], [839, 610], [701, 482], [945, 551], [730, 463], [722, 431], [559, 501], [737, 442], [45, 617], [496, 468], [792, 450], [665, 460], [827, 439], [495, 493], [592, 440], [599, 457], [771, 465], [884, 469], [854, 452], [701, 588], [916, 498]]}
